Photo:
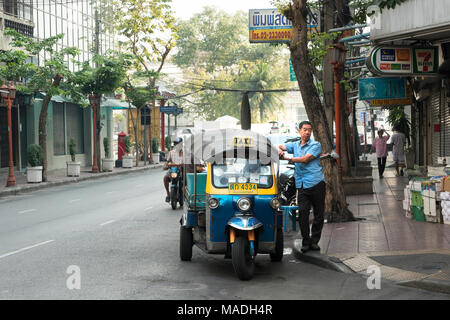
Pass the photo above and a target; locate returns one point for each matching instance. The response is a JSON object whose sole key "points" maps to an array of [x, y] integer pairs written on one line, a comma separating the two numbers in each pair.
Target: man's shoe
{"points": [[167, 199], [314, 247], [305, 248]]}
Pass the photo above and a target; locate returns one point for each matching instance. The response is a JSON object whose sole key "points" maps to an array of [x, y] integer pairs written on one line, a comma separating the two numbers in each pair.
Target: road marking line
{"points": [[26, 248], [26, 211], [74, 200], [107, 222], [148, 208]]}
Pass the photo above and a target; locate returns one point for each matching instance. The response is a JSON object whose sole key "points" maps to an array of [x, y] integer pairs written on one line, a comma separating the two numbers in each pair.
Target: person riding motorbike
{"points": [[175, 160]]}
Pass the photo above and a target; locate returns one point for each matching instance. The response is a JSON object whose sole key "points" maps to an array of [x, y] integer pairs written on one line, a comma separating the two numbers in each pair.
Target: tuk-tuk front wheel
{"points": [[243, 262], [277, 256], [186, 243]]}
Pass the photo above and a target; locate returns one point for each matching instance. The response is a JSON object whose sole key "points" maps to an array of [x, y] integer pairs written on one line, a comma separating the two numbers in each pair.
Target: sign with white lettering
{"points": [[395, 60]]}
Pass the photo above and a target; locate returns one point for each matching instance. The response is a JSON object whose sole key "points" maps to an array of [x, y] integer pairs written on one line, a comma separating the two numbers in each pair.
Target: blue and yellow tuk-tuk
{"points": [[232, 208]]}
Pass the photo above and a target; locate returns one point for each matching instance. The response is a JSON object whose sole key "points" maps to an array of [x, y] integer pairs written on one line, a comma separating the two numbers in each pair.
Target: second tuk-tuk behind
{"points": [[232, 208]]}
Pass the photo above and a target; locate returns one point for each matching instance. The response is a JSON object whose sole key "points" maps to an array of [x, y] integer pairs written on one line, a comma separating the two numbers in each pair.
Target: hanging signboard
{"points": [[394, 102], [394, 60], [270, 26], [171, 110], [382, 88]]}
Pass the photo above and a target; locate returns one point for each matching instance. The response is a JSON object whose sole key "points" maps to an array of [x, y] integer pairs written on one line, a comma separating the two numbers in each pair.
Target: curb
{"points": [[441, 286], [320, 260], [49, 184]]}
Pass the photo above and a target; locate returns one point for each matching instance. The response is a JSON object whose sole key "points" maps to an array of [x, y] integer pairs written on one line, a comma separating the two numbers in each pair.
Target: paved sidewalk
{"points": [[59, 177], [409, 252]]}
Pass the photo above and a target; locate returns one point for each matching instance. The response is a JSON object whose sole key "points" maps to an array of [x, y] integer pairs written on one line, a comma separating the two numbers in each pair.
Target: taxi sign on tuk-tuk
{"points": [[243, 188], [243, 142]]}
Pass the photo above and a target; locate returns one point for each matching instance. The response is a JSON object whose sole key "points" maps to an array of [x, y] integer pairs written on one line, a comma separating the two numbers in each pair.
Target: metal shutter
{"points": [[435, 105], [445, 125]]}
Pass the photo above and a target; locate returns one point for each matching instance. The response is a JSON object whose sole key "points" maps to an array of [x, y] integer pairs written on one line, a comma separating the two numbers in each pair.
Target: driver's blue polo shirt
{"points": [[307, 175]]}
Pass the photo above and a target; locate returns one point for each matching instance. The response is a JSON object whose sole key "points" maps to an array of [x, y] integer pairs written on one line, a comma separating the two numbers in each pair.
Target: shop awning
{"points": [[116, 104]]}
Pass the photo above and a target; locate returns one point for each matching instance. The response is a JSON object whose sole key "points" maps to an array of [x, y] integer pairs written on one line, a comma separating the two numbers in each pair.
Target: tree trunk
{"points": [[328, 77], [43, 127], [335, 202]]}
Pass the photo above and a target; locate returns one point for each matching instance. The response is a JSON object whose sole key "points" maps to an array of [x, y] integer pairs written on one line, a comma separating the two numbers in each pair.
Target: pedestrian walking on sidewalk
{"points": [[380, 145], [398, 141], [310, 184]]}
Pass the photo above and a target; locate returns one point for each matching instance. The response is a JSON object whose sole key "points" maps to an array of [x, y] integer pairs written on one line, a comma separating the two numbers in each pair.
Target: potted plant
{"points": [[127, 161], [155, 150], [34, 172], [107, 163], [73, 167], [410, 158]]}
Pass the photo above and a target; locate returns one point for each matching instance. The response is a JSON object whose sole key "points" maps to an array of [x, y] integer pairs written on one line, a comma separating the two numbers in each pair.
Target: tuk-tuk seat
{"points": [[201, 189]]}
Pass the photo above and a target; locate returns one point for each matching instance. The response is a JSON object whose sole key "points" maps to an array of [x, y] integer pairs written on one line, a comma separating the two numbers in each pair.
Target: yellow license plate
{"points": [[243, 188]]}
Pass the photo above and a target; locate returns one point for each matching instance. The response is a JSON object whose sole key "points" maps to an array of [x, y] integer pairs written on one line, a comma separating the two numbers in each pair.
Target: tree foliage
{"points": [[213, 52]]}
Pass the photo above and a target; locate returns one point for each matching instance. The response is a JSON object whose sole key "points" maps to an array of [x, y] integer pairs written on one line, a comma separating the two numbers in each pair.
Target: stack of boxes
{"points": [[422, 198], [445, 206]]}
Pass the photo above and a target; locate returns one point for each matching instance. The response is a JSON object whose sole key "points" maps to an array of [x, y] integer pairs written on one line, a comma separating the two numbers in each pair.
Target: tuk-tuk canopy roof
{"points": [[215, 145]]}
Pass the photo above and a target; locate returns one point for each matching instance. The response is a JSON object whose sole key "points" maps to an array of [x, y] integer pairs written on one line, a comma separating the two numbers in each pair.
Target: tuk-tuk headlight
{"points": [[244, 204], [275, 203], [213, 203], [174, 174]]}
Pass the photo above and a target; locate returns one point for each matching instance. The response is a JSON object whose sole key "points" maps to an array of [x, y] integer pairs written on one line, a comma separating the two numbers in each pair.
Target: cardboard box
{"points": [[446, 184]]}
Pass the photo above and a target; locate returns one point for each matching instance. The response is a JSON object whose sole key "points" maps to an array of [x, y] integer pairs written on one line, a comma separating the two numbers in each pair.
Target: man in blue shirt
{"points": [[310, 183]]}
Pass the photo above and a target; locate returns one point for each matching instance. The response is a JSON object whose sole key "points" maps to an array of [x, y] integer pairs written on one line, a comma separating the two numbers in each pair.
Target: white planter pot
{"points": [[34, 174], [155, 158], [127, 162], [73, 169], [107, 164]]}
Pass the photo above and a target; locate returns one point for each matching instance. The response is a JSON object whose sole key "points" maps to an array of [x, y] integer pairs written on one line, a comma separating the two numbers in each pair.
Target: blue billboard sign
{"points": [[382, 88]]}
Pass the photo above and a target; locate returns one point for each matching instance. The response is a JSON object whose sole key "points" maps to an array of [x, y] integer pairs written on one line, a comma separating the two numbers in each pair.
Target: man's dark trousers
{"points": [[314, 196]]}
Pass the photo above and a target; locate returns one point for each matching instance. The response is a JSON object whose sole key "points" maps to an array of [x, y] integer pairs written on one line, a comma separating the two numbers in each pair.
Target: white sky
{"points": [[184, 9]]}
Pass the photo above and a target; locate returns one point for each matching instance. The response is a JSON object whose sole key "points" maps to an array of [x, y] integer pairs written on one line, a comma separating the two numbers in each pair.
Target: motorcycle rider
{"points": [[175, 160]]}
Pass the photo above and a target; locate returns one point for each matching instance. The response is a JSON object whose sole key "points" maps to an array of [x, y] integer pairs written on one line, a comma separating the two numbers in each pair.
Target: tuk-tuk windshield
{"points": [[240, 170]]}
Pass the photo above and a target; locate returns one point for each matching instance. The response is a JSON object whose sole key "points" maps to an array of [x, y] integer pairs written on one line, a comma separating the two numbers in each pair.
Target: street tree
{"points": [[47, 77], [139, 97], [335, 203], [148, 31], [213, 52], [91, 83]]}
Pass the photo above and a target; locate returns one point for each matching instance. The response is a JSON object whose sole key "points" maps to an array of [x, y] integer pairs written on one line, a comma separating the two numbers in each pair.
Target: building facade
{"points": [[423, 24], [41, 19]]}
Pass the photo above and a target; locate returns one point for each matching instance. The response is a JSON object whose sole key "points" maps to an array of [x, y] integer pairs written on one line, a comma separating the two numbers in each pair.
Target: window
{"points": [[68, 123], [75, 127], [59, 142], [242, 171]]}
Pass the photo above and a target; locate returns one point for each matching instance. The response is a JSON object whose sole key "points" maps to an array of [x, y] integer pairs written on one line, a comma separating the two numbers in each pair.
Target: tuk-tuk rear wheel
{"points": [[243, 263], [277, 256], [186, 243]]}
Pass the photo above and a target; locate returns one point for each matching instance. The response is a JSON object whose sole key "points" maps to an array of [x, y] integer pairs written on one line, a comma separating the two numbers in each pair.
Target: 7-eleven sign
{"points": [[426, 60]]}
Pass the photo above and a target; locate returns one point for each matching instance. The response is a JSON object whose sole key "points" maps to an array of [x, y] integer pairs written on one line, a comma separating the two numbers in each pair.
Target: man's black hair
{"points": [[303, 123]]}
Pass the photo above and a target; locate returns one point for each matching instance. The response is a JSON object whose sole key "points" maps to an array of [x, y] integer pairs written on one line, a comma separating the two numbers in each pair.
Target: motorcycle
{"points": [[176, 187], [286, 185]]}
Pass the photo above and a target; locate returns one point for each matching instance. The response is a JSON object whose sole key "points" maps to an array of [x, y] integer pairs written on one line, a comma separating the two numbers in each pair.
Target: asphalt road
{"points": [[116, 238]]}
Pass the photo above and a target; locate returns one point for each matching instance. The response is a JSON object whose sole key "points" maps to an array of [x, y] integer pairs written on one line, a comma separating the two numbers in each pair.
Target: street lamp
{"points": [[8, 94], [94, 100], [336, 56]]}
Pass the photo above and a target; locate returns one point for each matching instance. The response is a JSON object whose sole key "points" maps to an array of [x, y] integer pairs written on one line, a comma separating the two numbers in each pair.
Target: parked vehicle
{"points": [[176, 185], [233, 209]]}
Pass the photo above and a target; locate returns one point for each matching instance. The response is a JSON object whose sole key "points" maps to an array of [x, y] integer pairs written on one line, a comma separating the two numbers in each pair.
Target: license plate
{"points": [[243, 188]]}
